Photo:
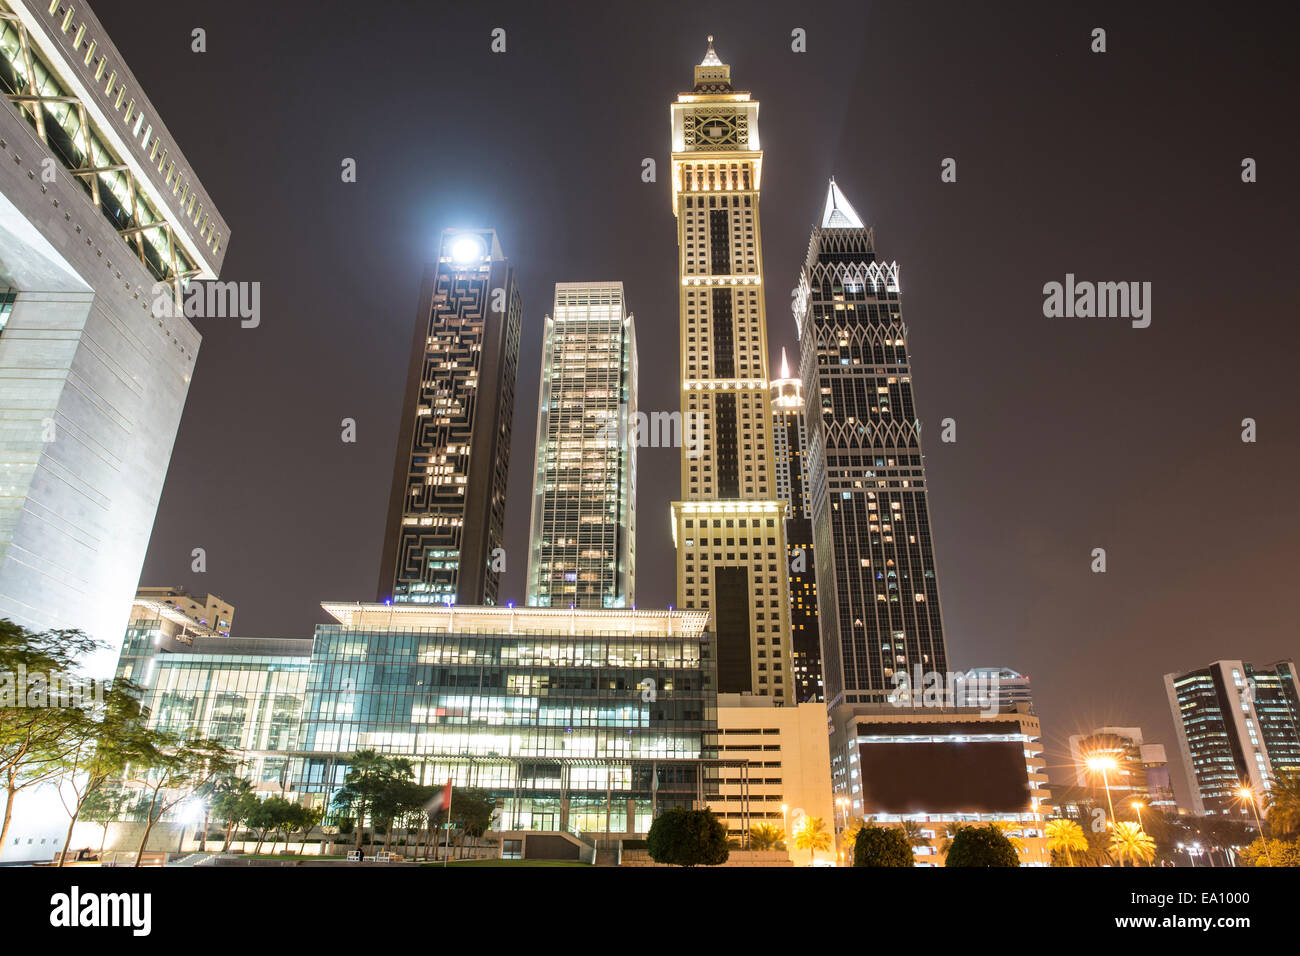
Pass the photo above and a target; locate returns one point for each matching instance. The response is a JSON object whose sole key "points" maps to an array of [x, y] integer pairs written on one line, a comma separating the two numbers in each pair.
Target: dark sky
{"points": [[1073, 434]]}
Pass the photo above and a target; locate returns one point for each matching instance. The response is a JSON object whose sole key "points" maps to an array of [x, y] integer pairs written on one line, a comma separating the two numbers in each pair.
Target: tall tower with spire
{"points": [[790, 449], [729, 525], [877, 592]]}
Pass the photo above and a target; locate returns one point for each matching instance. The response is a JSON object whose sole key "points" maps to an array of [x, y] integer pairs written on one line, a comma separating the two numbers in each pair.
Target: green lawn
{"points": [[511, 863]]}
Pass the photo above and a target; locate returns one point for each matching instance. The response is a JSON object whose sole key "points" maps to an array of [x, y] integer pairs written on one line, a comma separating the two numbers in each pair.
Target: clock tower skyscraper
{"points": [[729, 525]]}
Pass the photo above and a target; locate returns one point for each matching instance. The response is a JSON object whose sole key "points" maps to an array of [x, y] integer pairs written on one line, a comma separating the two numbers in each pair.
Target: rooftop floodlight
{"points": [[466, 249]]}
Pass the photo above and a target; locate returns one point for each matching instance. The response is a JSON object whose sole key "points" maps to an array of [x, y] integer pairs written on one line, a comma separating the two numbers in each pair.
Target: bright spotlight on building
{"points": [[466, 249]]}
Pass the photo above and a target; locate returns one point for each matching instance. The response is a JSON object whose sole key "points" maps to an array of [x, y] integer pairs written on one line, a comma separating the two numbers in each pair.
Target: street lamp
{"points": [[1101, 764], [1138, 805], [1248, 794]]}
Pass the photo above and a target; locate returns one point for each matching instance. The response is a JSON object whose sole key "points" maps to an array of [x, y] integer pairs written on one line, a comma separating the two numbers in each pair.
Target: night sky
{"points": [[1072, 434]]}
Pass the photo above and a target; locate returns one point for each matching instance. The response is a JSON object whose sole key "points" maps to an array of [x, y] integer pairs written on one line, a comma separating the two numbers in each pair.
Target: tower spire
{"points": [[710, 58], [785, 365], [839, 213]]}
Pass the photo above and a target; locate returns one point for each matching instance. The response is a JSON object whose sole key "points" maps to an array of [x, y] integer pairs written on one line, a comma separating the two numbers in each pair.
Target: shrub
{"points": [[981, 846], [882, 846], [688, 838]]}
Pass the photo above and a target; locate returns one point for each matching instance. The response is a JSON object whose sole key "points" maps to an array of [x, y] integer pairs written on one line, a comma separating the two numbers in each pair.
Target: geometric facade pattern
{"points": [[878, 597], [446, 518]]}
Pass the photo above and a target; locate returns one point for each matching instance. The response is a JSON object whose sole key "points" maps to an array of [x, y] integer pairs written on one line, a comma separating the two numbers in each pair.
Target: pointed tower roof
{"points": [[785, 366], [712, 75], [710, 58], [839, 213]]}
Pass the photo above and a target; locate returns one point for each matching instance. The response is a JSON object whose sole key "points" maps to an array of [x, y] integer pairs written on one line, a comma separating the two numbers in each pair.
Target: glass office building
{"points": [[577, 720], [582, 549], [1238, 725]]}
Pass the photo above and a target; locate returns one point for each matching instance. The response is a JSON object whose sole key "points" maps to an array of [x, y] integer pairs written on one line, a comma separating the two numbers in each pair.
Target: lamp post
{"points": [[1101, 764], [1248, 794], [1138, 805]]}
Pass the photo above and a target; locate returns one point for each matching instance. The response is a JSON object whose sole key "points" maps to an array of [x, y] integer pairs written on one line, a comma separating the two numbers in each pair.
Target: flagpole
{"points": [[448, 827]]}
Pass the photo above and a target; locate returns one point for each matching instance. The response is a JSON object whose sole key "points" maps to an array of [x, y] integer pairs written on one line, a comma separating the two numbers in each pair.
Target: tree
{"points": [[1283, 803], [1129, 842], [108, 738], [882, 846], [232, 801], [1066, 837], [981, 846], [1280, 852], [685, 837], [764, 836], [912, 830], [172, 769], [471, 809], [37, 735], [304, 820], [371, 777], [269, 815], [105, 805], [812, 836]]}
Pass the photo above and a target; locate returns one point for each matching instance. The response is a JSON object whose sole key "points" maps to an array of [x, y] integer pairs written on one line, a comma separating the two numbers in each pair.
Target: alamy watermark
{"points": [[213, 299], [974, 688], [38, 689], [654, 430], [1102, 300]]}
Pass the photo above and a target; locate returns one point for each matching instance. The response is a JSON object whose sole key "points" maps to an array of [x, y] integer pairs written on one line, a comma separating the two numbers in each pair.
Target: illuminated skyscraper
{"points": [[790, 445], [877, 593], [1237, 724], [728, 527], [582, 551], [102, 220], [447, 507]]}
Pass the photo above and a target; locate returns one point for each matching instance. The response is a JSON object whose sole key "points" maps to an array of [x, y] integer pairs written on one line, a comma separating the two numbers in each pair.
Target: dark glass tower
{"points": [[878, 598], [446, 511], [790, 454]]}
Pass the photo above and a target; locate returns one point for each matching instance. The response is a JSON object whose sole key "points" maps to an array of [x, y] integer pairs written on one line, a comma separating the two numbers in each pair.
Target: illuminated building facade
{"points": [[587, 720], [102, 221], [1141, 769], [788, 776], [446, 510], [940, 766], [729, 526], [790, 447], [583, 550], [877, 593], [1237, 725]]}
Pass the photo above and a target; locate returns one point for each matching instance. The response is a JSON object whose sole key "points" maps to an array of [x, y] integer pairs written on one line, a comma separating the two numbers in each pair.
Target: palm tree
{"points": [[812, 836], [764, 836], [1130, 841], [912, 830], [1283, 803], [1067, 837]]}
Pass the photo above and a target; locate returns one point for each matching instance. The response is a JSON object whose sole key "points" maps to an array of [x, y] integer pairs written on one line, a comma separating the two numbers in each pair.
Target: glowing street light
{"points": [[1101, 764], [1138, 805], [1248, 794]]}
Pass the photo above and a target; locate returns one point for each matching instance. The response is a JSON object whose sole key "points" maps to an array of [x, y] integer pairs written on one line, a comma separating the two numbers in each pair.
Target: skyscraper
{"points": [[102, 221], [790, 445], [582, 545], [1237, 724], [877, 594], [447, 507], [728, 529]]}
